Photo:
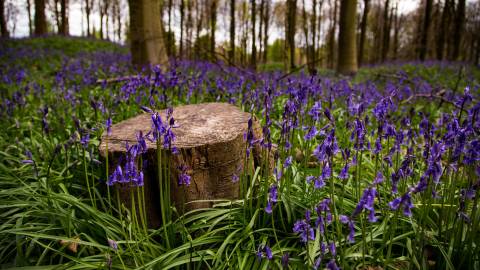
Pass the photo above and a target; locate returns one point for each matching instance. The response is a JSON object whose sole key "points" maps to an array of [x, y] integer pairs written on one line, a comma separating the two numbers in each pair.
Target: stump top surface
{"points": [[197, 124]]}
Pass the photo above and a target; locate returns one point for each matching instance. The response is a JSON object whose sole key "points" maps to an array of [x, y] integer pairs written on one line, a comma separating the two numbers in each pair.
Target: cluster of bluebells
{"points": [[131, 172], [414, 151]]}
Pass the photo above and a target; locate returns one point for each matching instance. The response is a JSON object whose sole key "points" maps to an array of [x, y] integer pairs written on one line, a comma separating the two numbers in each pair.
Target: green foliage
{"points": [[57, 212]]}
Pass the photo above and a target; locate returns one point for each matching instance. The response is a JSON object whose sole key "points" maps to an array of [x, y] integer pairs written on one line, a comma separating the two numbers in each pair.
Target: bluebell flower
{"points": [[304, 229]]}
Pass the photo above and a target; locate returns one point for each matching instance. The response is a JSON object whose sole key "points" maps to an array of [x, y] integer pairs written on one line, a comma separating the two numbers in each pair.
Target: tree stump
{"points": [[210, 142]]}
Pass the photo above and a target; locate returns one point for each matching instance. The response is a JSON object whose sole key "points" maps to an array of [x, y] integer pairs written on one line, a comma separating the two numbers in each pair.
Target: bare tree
{"points": [[347, 51]]}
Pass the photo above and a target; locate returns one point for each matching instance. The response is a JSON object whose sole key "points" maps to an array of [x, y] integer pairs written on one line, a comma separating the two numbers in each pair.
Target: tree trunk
{"points": [[312, 49], [189, 28], [396, 26], [3, 21], [63, 10], [347, 58], [213, 26], [253, 59], [305, 25], [102, 15], [88, 8], [146, 33], [331, 43], [40, 19], [425, 30], [363, 31], [458, 33], [182, 18], [260, 30], [57, 15], [119, 21], [265, 30], [386, 31], [231, 54], [29, 12], [442, 31], [290, 33]]}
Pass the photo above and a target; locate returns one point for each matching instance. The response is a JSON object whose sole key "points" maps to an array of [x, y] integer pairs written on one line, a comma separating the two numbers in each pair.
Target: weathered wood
{"points": [[210, 140]]}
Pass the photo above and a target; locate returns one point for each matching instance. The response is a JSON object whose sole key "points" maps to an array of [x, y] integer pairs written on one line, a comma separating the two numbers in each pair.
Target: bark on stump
{"points": [[210, 140]]}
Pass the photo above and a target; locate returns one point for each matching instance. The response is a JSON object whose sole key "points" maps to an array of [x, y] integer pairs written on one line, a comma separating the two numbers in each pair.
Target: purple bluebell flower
{"points": [[264, 251], [184, 178], [312, 132], [304, 229], [332, 265], [272, 198], [378, 179], [367, 202], [288, 162], [85, 140], [316, 111], [405, 201], [344, 172], [285, 259], [113, 244], [108, 124]]}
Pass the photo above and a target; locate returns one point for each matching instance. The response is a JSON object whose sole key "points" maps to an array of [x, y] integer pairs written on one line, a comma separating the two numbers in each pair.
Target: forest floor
{"points": [[377, 171]]}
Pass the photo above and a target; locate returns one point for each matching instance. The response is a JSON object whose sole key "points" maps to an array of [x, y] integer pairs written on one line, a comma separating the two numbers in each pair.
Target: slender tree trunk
{"points": [[386, 31], [347, 58], [101, 8], [312, 49], [363, 31], [63, 10], [189, 28], [40, 19], [29, 12], [146, 33], [425, 30], [170, 35], [441, 31], [291, 27], [200, 13], [319, 27], [232, 31], [3, 21], [182, 18], [459, 26], [260, 29], [119, 21], [331, 43], [88, 9], [57, 15], [265, 30], [253, 12], [305, 31], [213, 25], [396, 26]]}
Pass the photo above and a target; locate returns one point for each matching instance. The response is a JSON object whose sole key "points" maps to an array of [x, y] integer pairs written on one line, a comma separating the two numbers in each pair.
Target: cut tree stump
{"points": [[210, 140]]}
